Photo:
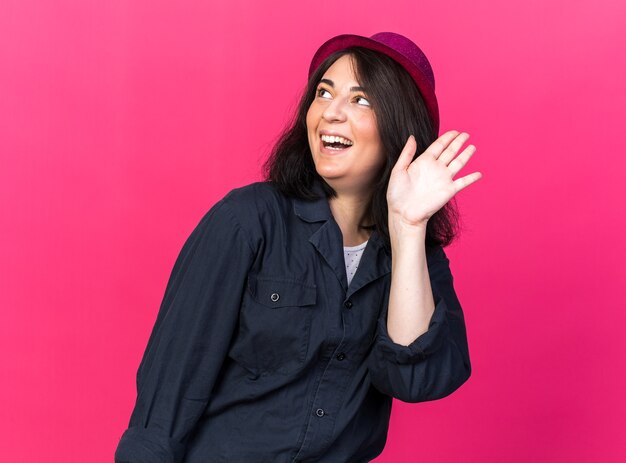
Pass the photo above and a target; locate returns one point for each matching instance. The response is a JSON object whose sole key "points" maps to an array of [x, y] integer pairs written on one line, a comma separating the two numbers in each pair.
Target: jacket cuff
{"points": [[138, 445], [423, 346]]}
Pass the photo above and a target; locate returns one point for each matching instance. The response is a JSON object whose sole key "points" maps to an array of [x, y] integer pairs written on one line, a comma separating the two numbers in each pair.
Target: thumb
{"points": [[406, 156]]}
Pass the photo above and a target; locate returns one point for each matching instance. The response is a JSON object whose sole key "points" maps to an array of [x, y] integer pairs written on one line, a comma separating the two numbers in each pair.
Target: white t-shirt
{"points": [[352, 257]]}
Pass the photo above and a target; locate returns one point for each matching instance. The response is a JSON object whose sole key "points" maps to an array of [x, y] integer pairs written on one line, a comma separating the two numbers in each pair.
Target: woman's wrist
{"points": [[400, 230]]}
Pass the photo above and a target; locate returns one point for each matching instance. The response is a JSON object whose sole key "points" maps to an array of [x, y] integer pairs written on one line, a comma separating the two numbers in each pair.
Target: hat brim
{"points": [[341, 42]]}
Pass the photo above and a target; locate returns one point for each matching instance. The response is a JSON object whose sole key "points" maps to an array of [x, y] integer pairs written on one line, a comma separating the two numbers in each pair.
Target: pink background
{"points": [[122, 122]]}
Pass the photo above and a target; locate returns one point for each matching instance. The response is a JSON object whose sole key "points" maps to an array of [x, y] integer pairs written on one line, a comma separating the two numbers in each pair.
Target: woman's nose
{"points": [[335, 111]]}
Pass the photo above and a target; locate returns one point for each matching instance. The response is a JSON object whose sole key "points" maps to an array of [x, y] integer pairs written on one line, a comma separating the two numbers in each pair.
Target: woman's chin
{"points": [[330, 175]]}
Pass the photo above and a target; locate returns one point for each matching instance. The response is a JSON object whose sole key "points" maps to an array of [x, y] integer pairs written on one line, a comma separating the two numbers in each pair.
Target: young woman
{"points": [[300, 306]]}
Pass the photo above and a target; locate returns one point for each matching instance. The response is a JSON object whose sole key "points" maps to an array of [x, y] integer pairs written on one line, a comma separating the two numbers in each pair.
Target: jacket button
{"points": [[319, 412], [341, 356], [274, 297], [348, 304]]}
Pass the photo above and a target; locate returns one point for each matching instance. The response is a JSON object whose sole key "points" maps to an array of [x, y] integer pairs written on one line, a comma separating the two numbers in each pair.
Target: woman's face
{"points": [[342, 131]]}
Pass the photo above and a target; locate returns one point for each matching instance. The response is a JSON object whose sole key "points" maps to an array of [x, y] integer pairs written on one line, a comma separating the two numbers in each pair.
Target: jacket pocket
{"points": [[275, 324]]}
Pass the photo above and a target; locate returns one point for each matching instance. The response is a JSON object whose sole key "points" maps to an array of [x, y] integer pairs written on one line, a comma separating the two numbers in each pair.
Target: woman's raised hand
{"points": [[417, 189]]}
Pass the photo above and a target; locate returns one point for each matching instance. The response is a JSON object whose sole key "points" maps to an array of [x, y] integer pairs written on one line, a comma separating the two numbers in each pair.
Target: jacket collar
{"points": [[316, 210], [375, 263], [328, 241]]}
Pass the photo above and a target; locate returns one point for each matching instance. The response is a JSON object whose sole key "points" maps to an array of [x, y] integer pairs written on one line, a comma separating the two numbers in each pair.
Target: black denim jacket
{"points": [[262, 353]]}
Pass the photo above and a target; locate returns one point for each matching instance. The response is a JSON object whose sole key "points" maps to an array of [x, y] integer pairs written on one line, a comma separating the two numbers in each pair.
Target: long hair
{"points": [[400, 111]]}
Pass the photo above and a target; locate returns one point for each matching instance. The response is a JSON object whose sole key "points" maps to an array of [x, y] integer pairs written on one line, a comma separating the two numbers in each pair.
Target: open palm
{"points": [[417, 189]]}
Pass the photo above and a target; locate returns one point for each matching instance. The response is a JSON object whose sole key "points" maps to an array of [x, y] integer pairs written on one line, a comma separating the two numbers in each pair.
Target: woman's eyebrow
{"points": [[332, 85]]}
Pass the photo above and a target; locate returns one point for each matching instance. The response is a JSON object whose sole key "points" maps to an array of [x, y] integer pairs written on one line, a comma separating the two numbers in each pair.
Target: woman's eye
{"points": [[361, 100], [322, 92]]}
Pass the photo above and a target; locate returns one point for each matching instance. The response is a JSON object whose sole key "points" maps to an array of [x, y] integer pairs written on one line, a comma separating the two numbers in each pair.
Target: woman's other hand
{"points": [[419, 188]]}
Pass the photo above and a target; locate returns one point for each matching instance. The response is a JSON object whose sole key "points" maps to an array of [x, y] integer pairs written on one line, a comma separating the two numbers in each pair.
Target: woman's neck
{"points": [[350, 213]]}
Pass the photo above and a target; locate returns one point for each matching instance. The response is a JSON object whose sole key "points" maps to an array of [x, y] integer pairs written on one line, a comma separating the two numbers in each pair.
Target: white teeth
{"points": [[335, 139]]}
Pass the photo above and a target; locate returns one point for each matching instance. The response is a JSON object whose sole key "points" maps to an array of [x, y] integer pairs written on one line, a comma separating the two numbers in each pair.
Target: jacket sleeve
{"points": [[436, 363], [190, 339]]}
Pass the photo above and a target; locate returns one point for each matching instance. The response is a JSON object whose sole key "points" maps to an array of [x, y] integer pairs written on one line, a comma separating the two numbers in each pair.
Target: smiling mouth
{"points": [[335, 143]]}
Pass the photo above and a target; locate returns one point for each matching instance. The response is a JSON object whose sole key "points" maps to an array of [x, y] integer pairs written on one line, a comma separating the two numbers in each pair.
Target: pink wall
{"points": [[122, 122]]}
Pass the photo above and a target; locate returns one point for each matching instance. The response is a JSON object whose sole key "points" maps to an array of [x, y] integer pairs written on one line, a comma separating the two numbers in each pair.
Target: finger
{"points": [[406, 156], [453, 148], [459, 162], [464, 182], [441, 143]]}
